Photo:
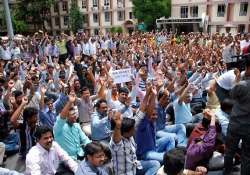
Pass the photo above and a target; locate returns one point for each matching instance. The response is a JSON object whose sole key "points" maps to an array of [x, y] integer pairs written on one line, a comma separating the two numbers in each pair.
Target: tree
{"points": [[116, 30], [75, 17], [148, 11], [33, 12]]}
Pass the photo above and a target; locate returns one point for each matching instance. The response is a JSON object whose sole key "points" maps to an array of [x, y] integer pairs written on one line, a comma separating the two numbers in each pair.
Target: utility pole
{"points": [[8, 19]]}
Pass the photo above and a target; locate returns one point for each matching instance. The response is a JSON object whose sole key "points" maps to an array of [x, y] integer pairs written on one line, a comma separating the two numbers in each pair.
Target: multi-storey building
{"points": [[99, 15], [210, 15]]}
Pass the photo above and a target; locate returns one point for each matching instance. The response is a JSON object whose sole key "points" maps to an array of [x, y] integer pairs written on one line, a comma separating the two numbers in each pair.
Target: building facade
{"points": [[99, 15], [209, 15]]}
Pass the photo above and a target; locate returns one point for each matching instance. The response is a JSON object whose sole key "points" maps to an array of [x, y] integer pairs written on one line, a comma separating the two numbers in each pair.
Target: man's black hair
{"points": [[17, 93], [99, 102], [174, 160], [29, 112], [127, 125], [40, 130], [123, 90], [85, 88], [92, 148], [227, 105]]}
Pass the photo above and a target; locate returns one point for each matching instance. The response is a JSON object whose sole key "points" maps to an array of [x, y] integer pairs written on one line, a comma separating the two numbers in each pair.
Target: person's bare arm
{"points": [[42, 92], [65, 111], [117, 136], [151, 101], [18, 112]]}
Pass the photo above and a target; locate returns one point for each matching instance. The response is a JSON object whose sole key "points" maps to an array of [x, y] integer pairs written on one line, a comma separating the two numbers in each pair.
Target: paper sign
{"points": [[121, 76]]}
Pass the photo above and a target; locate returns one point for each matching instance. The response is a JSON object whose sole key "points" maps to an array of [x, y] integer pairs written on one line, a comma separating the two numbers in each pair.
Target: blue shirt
{"points": [[47, 118], [145, 137], [85, 168], [70, 137], [161, 118], [100, 127], [182, 112]]}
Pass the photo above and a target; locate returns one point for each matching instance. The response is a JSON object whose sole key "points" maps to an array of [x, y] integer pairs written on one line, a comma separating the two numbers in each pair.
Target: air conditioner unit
{"points": [[105, 8], [94, 8]]}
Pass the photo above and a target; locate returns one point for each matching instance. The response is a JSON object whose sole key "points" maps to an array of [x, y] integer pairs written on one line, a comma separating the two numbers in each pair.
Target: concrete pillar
{"points": [[8, 19]]}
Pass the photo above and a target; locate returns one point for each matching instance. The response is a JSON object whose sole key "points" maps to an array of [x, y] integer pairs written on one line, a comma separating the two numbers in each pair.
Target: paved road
{"points": [[15, 163]]}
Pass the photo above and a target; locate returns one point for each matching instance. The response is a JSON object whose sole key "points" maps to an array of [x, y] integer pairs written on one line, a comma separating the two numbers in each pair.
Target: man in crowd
{"points": [[47, 157], [67, 131]]}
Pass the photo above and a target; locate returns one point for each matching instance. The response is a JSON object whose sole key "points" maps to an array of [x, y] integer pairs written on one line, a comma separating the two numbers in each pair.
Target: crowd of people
{"points": [[185, 109]]}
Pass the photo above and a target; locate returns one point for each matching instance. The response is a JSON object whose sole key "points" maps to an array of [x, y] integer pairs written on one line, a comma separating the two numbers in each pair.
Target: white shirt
{"points": [[85, 48], [5, 54], [42, 162], [227, 80], [244, 44], [92, 48]]}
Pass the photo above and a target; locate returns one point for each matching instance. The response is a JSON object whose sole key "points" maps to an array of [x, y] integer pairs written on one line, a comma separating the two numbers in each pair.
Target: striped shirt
{"points": [[124, 156], [124, 153]]}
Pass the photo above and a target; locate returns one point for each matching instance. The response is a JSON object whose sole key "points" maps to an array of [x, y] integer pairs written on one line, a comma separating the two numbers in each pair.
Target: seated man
{"points": [[201, 147], [177, 131], [173, 164], [68, 133], [94, 159], [45, 156], [123, 143], [100, 122], [26, 127], [153, 149]]}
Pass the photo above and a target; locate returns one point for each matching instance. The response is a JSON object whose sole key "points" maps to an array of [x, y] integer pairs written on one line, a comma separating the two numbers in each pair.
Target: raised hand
{"points": [[117, 119], [72, 97], [43, 90], [25, 100]]}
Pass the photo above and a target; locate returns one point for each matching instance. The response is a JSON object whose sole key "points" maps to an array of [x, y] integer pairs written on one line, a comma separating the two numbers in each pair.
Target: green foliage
{"points": [[148, 11], [20, 26], [75, 18], [32, 12], [116, 30]]}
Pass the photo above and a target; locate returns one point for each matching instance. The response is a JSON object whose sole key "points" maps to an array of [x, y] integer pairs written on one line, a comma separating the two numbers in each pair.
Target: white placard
{"points": [[121, 76]]}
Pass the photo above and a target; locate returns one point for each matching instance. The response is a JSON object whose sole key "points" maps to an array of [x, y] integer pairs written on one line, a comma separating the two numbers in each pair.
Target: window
{"points": [[57, 21], [107, 16], [130, 15], [96, 32], [95, 17], [243, 8], [65, 6], [65, 20], [221, 10], [84, 4], [241, 28], [120, 15], [56, 9], [95, 3], [184, 11], [120, 3], [194, 11], [106, 2], [86, 18]]}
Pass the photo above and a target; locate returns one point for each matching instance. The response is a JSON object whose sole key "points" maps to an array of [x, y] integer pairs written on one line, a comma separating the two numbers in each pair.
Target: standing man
{"points": [[238, 128]]}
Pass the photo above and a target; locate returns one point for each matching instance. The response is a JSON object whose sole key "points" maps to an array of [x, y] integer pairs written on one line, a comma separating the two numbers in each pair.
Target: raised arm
{"points": [[117, 136], [42, 92], [65, 111], [18, 112]]}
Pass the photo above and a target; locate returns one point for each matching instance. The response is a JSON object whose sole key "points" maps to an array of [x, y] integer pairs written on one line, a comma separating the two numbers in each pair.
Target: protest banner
{"points": [[121, 76]]}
